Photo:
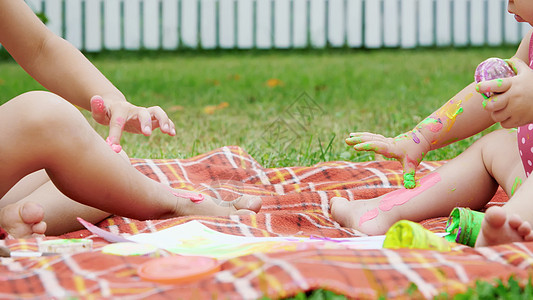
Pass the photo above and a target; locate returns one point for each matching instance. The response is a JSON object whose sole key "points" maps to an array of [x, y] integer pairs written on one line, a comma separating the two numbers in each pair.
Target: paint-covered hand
{"points": [[408, 148], [510, 103], [124, 116]]}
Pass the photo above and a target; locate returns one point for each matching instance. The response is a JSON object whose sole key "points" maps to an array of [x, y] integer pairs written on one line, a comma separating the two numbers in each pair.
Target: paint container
{"points": [[411, 235], [463, 226], [65, 246], [132, 249], [178, 269]]}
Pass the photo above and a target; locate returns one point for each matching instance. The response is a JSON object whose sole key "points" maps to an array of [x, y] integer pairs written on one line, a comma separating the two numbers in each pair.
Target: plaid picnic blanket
{"points": [[295, 203]]}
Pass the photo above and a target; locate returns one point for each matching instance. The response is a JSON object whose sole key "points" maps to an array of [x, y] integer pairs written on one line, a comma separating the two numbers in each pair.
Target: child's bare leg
{"points": [[512, 222], [469, 180], [60, 212], [48, 133]]}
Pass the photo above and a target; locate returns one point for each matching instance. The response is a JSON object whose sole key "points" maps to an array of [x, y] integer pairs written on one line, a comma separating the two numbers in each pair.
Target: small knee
{"points": [[44, 111]]}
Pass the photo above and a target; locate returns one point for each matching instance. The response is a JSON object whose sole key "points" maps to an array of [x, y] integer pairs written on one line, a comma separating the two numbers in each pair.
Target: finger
{"points": [[517, 64], [500, 116], [116, 126], [172, 128], [161, 117], [361, 137], [509, 123], [496, 103], [377, 147], [98, 110], [499, 85], [145, 121]]}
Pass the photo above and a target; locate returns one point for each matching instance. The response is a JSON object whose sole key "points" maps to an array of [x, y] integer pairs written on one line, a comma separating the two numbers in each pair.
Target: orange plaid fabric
{"points": [[295, 203]]}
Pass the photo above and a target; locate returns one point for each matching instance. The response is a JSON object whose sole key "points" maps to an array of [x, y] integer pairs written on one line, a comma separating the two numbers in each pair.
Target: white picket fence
{"points": [[93, 25]]}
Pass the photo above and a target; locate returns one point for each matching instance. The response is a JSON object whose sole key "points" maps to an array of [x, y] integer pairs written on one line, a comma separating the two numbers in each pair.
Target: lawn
{"points": [[285, 108]]}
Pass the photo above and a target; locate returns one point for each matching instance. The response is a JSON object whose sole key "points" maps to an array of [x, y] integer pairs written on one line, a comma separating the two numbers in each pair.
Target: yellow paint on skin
{"points": [[451, 110]]}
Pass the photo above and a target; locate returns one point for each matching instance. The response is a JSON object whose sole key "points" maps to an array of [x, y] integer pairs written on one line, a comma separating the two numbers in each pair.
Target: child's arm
{"points": [[466, 114], [63, 70], [460, 117]]}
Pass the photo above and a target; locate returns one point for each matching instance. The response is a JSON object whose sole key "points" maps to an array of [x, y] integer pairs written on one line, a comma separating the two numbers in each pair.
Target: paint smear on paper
{"points": [[402, 196]]}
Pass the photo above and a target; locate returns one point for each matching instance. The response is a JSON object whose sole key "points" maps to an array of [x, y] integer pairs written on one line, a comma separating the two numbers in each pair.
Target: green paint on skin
{"points": [[365, 147], [354, 140], [453, 190], [484, 103], [409, 180], [499, 81], [458, 112], [516, 184]]}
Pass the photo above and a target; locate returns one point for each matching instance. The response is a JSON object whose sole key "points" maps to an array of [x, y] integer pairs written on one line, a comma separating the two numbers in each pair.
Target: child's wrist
{"points": [[421, 141]]}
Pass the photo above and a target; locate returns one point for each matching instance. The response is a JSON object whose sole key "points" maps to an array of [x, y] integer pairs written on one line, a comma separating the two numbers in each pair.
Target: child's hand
{"points": [[408, 148], [122, 115], [511, 104]]}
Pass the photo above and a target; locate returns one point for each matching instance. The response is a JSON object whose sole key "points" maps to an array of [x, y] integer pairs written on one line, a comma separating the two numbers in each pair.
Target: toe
{"points": [[249, 203], [495, 217], [31, 213], [524, 229], [39, 228], [515, 221]]}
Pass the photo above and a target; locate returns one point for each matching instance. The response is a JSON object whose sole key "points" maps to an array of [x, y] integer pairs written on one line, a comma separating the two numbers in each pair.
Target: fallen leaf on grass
{"points": [[210, 109], [274, 82], [175, 108]]}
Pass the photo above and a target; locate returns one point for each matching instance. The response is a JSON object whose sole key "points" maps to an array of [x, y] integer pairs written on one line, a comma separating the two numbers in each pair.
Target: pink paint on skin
{"points": [[97, 105], [195, 198], [121, 122], [117, 148], [413, 163], [402, 196], [436, 127], [369, 215]]}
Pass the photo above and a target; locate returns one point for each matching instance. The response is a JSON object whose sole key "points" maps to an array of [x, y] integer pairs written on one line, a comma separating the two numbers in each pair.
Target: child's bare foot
{"points": [[244, 205], [499, 228], [363, 215], [23, 220]]}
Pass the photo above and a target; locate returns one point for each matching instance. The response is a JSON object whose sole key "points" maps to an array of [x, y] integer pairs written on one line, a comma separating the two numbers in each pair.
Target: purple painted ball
{"points": [[493, 68]]}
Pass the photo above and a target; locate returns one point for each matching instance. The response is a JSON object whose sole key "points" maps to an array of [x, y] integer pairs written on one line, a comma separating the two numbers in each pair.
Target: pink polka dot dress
{"points": [[525, 146], [525, 132]]}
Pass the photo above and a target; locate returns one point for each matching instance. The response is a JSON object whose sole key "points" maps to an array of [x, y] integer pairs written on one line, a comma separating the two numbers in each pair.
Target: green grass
{"points": [[383, 91]]}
